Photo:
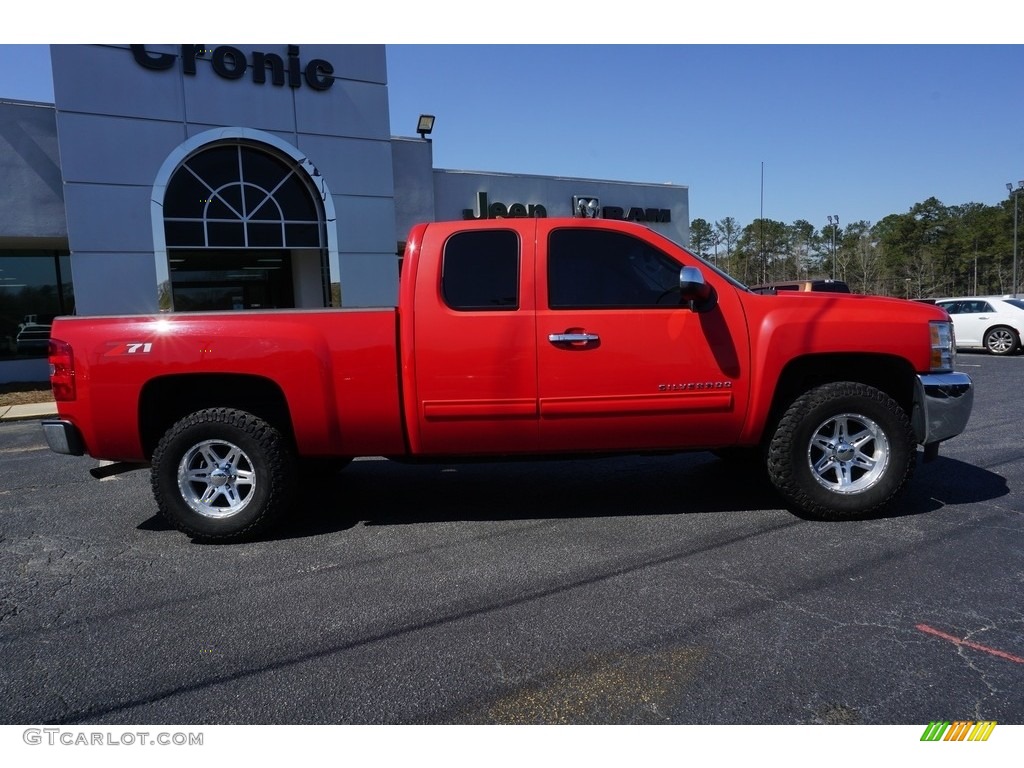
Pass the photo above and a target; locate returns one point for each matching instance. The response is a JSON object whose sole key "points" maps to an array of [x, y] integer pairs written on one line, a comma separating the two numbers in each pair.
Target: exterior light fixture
{"points": [[425, 125]]}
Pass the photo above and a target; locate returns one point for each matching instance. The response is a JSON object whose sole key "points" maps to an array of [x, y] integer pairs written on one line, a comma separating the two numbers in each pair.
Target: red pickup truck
{"points": [[515, 337]]}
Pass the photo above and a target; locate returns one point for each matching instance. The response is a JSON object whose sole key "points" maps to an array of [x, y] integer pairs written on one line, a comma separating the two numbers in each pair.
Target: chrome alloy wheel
{"points": [[1000, 341], [216, 478], [848, 453]]}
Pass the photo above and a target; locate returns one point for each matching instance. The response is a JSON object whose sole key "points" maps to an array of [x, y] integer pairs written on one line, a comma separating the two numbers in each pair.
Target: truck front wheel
{"points": [[222, 474], [842, 450]]}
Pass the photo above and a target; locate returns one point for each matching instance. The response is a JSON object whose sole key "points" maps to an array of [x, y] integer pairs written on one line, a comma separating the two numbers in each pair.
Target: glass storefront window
{"points": [[210, 280], [35, 287]]}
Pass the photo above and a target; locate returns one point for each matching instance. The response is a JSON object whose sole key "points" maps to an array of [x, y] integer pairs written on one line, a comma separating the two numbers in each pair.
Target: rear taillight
{"points": [[62, 371]]}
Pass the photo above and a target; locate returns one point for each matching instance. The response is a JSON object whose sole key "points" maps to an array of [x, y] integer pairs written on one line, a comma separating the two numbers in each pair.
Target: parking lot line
{"points": [[969, 644]]}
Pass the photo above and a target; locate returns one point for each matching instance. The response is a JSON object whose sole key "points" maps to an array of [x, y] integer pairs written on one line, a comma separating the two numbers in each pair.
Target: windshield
{"points": [[1018, 303]]}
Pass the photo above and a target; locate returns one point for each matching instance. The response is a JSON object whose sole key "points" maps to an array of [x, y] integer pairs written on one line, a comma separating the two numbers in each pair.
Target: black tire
{"points": [[1001, 340], [250, 488], [824, 475]]}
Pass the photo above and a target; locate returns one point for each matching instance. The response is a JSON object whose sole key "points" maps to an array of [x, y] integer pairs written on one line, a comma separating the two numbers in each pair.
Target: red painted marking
{"points": [[969, 644]]}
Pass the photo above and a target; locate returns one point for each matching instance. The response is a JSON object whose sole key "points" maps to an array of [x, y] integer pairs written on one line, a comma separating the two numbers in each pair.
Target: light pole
{"points": [[1009, 188], [807, 255], [834, 223], [975, 293]]}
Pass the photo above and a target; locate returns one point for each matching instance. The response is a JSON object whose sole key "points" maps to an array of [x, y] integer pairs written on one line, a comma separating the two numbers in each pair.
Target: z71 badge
{"points": [[130, 348]]}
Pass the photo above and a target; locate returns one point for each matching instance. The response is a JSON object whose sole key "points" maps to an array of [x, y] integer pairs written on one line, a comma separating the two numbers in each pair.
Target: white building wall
{"points": [[31, 193]]}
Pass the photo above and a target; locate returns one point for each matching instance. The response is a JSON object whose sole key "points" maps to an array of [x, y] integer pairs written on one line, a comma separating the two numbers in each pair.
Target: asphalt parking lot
{"points": [[634, 590]]}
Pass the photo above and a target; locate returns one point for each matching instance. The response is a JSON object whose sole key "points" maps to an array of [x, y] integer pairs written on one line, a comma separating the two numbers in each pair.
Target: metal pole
{"points": [[832, 246], [1015, 194], [834, 221], [835, 235], [764, 262]]}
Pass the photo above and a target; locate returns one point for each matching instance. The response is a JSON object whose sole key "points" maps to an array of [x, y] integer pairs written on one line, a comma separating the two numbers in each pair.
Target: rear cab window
{"points": [[480, 271]]}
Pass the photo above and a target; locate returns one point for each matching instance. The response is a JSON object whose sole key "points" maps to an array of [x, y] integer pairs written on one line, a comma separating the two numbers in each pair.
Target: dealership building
{"points": [[196, 178]]}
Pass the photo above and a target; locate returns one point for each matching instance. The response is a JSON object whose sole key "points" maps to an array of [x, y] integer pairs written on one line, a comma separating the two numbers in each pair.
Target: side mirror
{"points": [[693, 289]]}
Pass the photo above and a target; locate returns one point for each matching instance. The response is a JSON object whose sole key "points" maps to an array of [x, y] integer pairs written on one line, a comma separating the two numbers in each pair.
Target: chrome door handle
{"points": [[573, 338]]}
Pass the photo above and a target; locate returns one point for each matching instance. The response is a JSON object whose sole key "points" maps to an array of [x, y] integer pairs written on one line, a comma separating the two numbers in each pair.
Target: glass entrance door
{"points": [[225, 280]]}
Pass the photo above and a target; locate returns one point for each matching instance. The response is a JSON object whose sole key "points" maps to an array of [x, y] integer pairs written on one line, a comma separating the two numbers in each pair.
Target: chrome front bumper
{"points": [[942, 406]]}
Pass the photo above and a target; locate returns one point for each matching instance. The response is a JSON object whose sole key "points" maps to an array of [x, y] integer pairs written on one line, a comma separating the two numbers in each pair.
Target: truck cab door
{"points": [[622, 365], [474, 361]]}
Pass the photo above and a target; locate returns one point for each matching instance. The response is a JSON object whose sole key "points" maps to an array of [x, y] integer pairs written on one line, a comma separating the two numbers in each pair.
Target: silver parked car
{"points": [[993, 323]]}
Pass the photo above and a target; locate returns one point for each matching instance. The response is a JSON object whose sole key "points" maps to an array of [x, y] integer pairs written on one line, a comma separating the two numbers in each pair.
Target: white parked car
{"points": [[992, 323]]}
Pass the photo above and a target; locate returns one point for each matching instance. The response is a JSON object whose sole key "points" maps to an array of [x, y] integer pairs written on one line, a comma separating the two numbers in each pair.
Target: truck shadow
{"points": [[379, 492]]}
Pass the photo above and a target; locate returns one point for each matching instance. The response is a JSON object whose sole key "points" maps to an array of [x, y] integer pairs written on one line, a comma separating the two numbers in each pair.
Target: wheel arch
{"points": [[829, 473], [887, 373], [167, 399]]}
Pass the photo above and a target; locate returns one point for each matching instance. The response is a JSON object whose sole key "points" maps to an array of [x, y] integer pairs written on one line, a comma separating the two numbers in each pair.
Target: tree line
{"points": [[932, 250]]}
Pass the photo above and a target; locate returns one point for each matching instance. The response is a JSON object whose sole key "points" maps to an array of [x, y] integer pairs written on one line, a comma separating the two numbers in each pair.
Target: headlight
{"points": [[943, 346]]}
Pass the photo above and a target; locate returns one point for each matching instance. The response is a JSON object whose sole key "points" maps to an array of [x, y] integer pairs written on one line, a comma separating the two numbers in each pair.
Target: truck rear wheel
{"points": [[223, 474], [841, 451]]}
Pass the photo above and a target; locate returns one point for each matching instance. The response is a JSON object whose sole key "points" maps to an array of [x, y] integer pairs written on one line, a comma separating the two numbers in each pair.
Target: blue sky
{"points": [[860, 131]]}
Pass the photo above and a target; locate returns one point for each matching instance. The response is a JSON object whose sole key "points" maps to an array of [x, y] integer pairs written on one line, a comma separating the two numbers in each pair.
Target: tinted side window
{"points": [[831, 287], [590, 268], [481, 271]]}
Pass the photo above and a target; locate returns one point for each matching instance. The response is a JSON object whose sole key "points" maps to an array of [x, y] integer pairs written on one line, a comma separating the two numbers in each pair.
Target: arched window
{"points": [[236, 196], [244, 228]]}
